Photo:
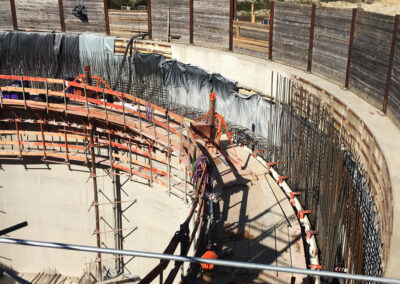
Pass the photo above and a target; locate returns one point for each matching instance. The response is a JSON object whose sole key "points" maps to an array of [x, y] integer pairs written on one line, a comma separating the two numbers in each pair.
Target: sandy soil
{"points": [[388, 7]]}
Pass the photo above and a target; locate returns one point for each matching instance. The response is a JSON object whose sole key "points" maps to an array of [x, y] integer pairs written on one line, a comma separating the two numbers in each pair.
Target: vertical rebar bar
{"points": [[47, 96], [169, 155], [139, 117], [23, 91], [151, 167]]}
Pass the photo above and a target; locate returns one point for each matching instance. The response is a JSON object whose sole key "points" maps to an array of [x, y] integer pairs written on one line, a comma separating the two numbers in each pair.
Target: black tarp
{"points": [[39, 54]]}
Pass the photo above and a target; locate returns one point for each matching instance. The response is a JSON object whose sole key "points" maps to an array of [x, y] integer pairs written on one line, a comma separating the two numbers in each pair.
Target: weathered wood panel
{"points": [[5, 15], [179, 19], [127, 23], [370, 57], [95, 12], [211, 23], [250, 39], [394, 97], [291, 33], [331, 43], [143, 47], [38, 15]]}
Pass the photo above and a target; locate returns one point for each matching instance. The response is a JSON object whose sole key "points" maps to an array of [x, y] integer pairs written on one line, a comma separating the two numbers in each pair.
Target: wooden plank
{"points": [[250, 28], [250, 47], [6, 20], [254, 53], [32, 13], [375, 17], [390, 64], [211, 23], [331, 46], [330, 51], [179, 19], [249, 24], [251, 41], [251, 34], [332, 74]]}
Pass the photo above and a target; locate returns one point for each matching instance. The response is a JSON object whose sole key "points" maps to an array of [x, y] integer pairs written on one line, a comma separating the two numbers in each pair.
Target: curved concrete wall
{"points": [[55, 202], [373, 138]]}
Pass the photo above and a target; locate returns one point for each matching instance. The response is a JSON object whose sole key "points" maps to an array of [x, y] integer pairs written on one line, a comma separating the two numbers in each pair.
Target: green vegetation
{"points": [[258, 5], [117, 4]]}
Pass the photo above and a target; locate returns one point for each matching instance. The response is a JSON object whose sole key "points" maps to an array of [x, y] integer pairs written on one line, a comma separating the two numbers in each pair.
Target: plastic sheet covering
{"points": [[252, 112], [148, 76], [187, 85], [69, 56], [190, 86], [39, 54], [94, 44]]}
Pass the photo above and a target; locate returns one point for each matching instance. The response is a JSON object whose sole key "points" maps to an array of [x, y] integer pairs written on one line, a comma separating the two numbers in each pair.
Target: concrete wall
{"points": [[55, 203]]}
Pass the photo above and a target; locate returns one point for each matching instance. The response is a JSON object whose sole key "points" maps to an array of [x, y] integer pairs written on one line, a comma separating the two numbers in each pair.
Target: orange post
{"points": [[212, 108], [281, 179], [301, 213], [292, 195]]}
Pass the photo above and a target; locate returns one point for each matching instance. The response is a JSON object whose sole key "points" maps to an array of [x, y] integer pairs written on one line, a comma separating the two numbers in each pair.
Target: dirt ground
{"points": [[388, 7]]}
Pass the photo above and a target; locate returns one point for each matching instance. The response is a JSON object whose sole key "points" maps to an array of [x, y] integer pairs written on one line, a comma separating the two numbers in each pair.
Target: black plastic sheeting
{"points": [[190, 86], [148, 76], [39, 54]]}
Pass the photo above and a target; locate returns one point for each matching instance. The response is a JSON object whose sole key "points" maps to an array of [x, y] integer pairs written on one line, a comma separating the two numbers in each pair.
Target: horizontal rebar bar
{"points": [[228, 263]]}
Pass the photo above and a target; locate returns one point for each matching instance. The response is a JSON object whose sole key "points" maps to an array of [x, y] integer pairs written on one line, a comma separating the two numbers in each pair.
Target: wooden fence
{"points": [[211, 23], [370, 56], [291, 33], [6, 18], [331, 43], [179, 19], [353, 48], [127, 23], [394, 98], [52, 15], [204, 22], [250, 38]]}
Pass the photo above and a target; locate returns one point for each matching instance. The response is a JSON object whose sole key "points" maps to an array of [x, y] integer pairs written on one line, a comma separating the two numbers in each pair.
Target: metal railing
{"points": [[199, 260]]}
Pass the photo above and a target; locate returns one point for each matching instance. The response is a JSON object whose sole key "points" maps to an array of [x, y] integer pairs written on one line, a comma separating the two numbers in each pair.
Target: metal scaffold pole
{"points": [[95, 197], [227, 263]]}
